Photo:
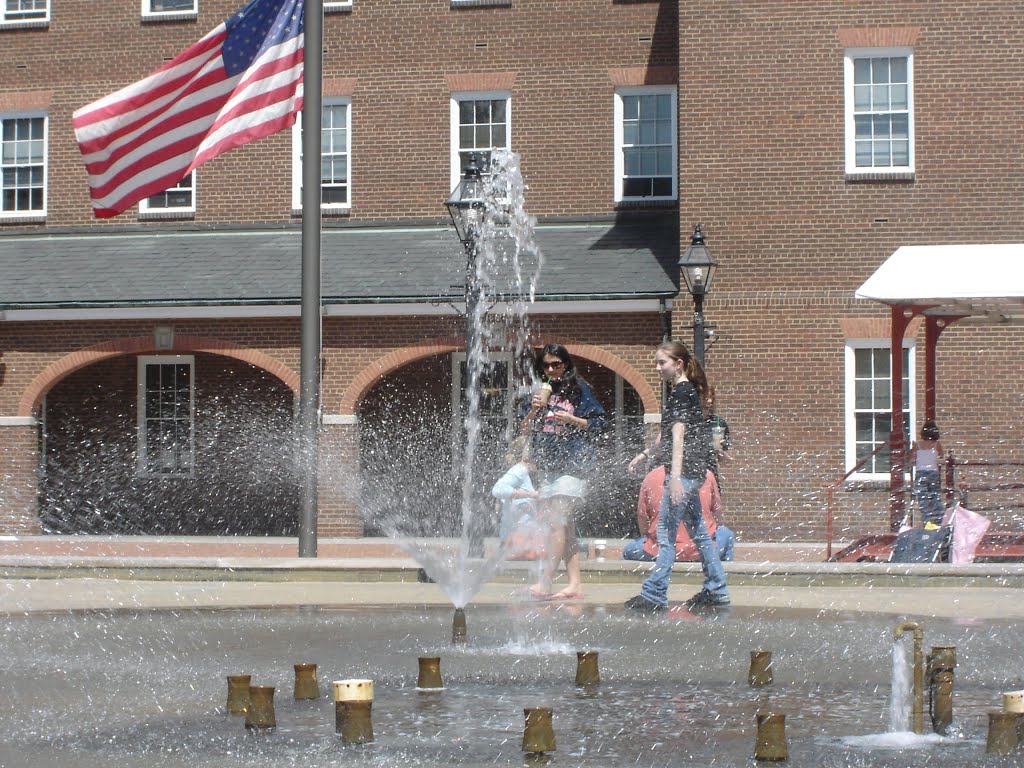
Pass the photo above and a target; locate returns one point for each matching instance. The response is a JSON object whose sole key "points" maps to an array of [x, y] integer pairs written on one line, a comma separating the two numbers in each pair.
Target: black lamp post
{"points": [[466, 207], [698, 270]]}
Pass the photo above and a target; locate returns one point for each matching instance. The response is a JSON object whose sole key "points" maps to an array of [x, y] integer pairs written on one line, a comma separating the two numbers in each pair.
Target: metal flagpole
{"points": [[309, 392]]}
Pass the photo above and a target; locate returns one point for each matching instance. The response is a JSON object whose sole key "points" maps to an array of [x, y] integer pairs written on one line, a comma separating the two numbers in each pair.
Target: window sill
{"points": [[166, 215], [183, 16], [347, 8], [36, 218], [875, 176], [631, 205], [327, 212], [481, 3], [26, 24]]}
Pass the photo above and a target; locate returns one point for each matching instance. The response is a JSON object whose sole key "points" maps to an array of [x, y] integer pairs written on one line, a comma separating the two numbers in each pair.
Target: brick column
{"points": [[19, 476], [338, 481]]}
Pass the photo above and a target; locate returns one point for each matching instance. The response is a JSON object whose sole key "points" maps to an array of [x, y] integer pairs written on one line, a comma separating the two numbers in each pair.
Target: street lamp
{"points": [[466, 207], [698, 270]]}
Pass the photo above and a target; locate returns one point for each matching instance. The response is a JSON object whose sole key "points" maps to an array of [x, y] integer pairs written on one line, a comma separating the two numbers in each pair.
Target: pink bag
{"points": [[968, 529]]}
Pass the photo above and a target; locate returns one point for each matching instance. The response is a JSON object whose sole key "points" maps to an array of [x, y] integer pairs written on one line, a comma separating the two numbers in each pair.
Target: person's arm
{"points": [[510, 486], [675, 485], [588, 414], [641, 458]]}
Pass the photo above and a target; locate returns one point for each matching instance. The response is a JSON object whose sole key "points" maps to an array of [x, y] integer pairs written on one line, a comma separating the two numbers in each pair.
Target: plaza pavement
{"points": [[59, 573]]}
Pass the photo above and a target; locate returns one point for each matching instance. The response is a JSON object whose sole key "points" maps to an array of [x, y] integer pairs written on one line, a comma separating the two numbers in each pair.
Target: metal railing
{"points": [[830, 491]]}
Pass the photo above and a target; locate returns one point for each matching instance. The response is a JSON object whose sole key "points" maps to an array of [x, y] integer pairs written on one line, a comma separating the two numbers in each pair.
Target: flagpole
{"points": [[309, 371]]}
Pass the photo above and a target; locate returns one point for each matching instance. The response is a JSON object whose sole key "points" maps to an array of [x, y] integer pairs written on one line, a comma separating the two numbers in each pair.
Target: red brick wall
{"points": [[399, 52], [763, 168]]}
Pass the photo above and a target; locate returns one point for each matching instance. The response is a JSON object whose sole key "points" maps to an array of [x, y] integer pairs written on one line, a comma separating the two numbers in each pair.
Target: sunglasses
{"points": [[556, 364]]}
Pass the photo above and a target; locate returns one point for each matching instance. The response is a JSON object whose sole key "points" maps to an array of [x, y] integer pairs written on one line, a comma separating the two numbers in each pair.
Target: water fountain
{"points": [[96, 704]]}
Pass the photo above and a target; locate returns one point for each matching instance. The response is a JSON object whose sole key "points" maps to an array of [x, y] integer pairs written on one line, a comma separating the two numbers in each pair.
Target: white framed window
{"points": [[480, 123], [869, 403], [170, 7], [879, 87], [24, 11], [166, 415], [496, 408], [23, 140], [645, 143], [335, 151], [181, 198]]}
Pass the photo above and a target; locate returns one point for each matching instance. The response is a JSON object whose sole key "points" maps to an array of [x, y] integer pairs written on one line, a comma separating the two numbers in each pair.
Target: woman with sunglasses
{"points": [[564, 424]]}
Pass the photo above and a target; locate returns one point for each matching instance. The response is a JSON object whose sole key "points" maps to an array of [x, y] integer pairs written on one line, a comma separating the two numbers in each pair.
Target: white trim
{"points": [[142, 361], [652, 418], [339, 419], [146, 207], [18, 421], [454, 148], [20, 20], [342, 101], [849, 398], [610, 306], [618, 159], [35, 213], [852, 169], [148, 12]]}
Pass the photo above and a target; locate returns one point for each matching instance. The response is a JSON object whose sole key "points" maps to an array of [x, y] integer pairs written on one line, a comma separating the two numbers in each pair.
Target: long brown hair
{"points": [[694, 372]]}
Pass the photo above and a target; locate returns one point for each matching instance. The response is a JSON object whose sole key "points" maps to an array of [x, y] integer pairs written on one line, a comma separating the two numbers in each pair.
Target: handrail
{"points": [[831, 495], [965, 485]]}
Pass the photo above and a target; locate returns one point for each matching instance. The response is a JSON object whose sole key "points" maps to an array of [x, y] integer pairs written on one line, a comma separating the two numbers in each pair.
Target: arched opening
{"points": [[178, 444], [411, 447]]}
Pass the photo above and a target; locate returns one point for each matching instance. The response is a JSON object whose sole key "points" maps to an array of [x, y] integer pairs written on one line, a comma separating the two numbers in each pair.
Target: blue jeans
{"points": [[725, 539], [634, 550], [655, 586], [929, 496]]}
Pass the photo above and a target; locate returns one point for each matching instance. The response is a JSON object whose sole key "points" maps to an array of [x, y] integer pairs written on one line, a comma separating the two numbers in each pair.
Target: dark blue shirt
{"points": [[564, 449]]}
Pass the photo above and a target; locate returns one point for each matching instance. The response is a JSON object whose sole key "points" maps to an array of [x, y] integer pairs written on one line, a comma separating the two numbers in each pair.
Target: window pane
{"points": [[862, 394], [898, 69], [862, 71], [882, 362], [862, 363]]}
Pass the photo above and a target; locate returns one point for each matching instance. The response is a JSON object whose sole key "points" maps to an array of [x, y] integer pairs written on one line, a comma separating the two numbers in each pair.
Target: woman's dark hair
{"points": [[570, 379], [930, 430], [694, 372]]}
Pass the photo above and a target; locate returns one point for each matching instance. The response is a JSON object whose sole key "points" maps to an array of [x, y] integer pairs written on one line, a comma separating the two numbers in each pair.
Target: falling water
{"points": [[900, 703], [506, 269]]}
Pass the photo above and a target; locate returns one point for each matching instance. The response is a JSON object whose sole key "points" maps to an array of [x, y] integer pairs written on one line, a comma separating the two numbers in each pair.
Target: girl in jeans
{"points": [[683, 446]]}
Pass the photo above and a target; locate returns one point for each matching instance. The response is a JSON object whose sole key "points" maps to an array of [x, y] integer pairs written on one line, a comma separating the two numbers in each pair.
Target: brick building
{"points": [[810, 145]]}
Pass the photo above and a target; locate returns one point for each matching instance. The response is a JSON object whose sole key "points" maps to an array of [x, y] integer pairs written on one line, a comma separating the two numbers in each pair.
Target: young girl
{"points": [[683, 447], [926, 457]]}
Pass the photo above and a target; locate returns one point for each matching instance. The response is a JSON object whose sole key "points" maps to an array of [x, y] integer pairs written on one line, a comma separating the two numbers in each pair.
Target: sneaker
{"points": [[705, 598], [643, 605]]}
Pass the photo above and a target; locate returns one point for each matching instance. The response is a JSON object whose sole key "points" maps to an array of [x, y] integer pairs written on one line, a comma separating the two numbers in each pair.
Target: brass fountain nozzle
{"points": [[908, 626]]}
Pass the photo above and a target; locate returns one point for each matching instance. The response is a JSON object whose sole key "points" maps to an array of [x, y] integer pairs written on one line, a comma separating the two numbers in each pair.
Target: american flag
{"points": [[241, 82]]}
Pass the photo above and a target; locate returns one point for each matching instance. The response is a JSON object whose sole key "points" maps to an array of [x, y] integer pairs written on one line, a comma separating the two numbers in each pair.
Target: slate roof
{"points": [[358, 265]]}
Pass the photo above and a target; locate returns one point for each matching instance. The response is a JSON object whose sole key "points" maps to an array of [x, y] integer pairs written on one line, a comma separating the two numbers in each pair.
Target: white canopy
{"points": [[981, 281]]}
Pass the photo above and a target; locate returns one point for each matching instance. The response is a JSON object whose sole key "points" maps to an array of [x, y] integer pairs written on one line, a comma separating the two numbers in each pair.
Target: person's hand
{"points": [[675, 490], [564, 417], [637, 464], [537, 401]]}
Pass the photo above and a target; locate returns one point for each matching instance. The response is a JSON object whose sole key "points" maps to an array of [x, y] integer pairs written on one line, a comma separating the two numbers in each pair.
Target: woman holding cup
{"points": [[563, 420]]}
